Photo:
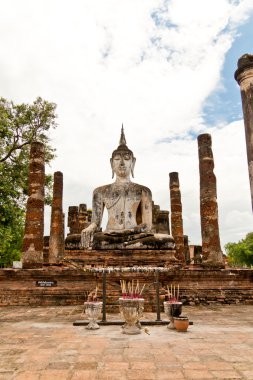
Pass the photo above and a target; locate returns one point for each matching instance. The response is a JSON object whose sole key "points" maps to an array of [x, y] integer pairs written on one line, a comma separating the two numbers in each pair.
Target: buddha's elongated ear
{"points": [[132, 166], [112, 168]]}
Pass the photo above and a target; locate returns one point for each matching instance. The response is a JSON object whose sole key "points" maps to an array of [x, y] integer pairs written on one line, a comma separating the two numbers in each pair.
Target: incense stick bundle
{"points": [[142, 289], [129, 287], [137, 287]]}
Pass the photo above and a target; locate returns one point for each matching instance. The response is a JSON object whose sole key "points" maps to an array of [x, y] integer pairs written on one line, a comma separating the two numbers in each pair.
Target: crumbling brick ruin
{"points": [[32, 250], [176, 215], [211, 249], [56, 241]]}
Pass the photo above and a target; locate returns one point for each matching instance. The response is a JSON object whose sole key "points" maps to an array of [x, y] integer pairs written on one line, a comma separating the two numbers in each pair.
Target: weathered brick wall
{"points": [[197, 286]]}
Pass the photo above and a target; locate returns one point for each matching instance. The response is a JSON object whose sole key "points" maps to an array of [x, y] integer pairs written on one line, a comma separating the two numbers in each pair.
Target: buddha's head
{"points": [[122, 160]]}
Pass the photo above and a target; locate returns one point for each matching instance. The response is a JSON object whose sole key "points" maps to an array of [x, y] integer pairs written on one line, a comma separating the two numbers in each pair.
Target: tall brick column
{"points": [[244, 77], [176, 215], [211, 248], [32, 250], [56, 241]]}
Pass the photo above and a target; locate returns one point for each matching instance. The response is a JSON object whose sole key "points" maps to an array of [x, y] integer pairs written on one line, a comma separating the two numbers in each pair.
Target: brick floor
{"points": [[42, 343]]}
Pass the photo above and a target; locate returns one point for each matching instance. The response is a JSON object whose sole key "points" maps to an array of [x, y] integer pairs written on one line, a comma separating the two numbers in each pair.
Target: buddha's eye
{"points": [[127, 156], [116, 157]]}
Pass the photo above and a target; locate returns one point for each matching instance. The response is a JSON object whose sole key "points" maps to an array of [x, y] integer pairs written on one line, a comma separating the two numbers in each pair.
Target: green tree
{"points": [[241, 253], [20, 125]]}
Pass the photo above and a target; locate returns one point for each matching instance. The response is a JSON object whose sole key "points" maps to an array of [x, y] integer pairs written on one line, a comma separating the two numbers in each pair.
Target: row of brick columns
{"points": [[32, 250], [34, 226], [211, 249]]}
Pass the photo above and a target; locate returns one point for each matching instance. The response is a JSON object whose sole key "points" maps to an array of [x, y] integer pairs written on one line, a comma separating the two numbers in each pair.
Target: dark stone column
{"points": [[56, 241], [82, 216], [211, 249], [244, 77], [32, 250], [186, 250], [160, 220], [73, 222], [176, 216]]}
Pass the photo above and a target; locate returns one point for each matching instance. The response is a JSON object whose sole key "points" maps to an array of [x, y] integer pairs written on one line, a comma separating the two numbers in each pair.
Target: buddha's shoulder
{"points": [[113, 186], [103, 189], [137, 186]]}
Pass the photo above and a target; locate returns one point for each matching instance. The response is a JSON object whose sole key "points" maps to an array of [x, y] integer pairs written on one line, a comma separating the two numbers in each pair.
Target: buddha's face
{"points": [[122, 164]]}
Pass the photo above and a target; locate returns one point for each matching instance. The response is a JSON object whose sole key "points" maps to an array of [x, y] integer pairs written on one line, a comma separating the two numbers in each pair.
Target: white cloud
{"points": [[111, 61]]}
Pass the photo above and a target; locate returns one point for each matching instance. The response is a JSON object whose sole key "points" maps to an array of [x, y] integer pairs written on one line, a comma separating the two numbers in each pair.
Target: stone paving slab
{"points": [[42, 343]]}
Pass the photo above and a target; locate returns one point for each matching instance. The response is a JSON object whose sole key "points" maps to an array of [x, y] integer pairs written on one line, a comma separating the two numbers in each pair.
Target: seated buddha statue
{"points": [[129, 207]]}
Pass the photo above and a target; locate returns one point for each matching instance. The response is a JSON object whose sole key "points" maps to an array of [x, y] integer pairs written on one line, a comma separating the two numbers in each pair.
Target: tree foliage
{"points": [[20, 125], [241, 253]]}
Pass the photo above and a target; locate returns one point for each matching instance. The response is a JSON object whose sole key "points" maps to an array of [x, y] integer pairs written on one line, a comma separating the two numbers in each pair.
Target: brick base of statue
{"points": [[120, 257]]}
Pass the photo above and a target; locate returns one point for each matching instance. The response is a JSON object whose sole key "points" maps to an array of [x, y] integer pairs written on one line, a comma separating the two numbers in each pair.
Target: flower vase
{"points": [[92, 311], [131, 310], [172, 309]]}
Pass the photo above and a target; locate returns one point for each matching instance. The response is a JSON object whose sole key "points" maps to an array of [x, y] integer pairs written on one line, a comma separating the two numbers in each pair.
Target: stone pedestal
{"points": [[56, 241], [176, 216], [32, 250], [211, 249], [244, 77]]}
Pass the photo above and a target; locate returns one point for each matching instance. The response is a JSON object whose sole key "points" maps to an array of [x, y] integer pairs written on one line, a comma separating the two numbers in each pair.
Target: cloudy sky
{"points": [[164, 68]]}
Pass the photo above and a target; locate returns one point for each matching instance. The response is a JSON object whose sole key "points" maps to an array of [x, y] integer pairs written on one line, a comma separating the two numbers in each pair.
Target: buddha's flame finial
{"points": [[122, 140]]}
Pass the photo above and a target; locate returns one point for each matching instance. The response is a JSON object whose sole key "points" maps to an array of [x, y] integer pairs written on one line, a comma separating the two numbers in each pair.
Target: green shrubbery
{"points": [[241, 253]]}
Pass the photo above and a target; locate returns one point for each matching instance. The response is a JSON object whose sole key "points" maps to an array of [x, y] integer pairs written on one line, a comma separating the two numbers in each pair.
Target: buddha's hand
{"points": [[140, 228], [87, 235]]}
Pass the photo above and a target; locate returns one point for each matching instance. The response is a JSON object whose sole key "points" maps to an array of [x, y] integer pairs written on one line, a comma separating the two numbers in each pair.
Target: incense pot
{"points": [[172, 309], [131, 310]]}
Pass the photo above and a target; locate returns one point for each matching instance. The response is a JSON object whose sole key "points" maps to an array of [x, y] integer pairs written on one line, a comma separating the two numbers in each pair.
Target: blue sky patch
{"points": [[224, 105]]}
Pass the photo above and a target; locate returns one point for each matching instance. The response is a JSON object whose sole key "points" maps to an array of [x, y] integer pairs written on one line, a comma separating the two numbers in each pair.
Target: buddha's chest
{"points": [[122, 205], [122, 198]]}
